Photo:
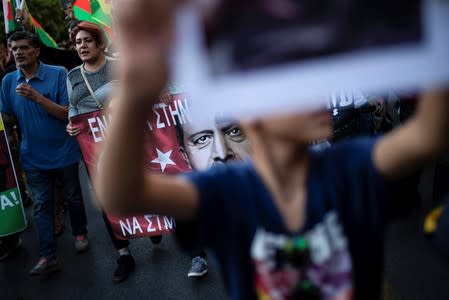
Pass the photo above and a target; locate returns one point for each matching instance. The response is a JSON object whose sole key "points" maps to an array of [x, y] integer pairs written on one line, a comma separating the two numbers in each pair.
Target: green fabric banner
{"points": [[12, 218], [12, 213]]}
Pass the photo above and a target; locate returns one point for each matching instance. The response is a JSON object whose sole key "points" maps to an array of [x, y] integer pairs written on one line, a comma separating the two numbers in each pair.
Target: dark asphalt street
{"points": [[161, 270]]}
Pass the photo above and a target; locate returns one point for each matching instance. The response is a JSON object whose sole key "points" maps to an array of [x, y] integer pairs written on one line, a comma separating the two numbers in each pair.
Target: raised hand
{"points": [[144, 35]]}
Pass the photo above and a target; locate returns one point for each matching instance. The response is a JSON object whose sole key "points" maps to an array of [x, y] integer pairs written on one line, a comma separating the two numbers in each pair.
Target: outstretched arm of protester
{"points": [[23, 17], [123, 186], [421, 139]]}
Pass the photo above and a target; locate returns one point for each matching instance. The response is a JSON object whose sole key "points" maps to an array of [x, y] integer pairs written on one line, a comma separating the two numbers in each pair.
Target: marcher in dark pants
{"points": [[90, 41], [41, 184], [125, 262], [48, 55], [36, 95]]}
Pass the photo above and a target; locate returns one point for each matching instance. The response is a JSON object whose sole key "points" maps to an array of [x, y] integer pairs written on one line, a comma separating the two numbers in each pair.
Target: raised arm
{"points": [[423, 138], [23, 17], [123, 186]]}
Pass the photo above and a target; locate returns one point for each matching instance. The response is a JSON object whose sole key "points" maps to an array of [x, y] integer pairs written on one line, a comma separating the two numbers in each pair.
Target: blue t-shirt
{"points": [[348, 206], [45, 143]]}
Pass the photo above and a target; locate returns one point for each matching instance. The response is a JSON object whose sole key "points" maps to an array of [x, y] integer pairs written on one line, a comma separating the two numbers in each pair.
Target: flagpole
{"points": [[5, 14]]}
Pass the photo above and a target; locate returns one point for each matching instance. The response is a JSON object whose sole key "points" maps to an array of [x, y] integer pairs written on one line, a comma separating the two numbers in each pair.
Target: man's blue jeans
{"points": [[41, 184]]}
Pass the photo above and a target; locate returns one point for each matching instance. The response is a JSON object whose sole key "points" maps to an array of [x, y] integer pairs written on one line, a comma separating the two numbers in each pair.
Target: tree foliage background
{"points": [[49, 14]]}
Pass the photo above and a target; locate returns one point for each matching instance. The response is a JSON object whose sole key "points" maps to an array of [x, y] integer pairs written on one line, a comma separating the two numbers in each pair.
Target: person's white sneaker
{"points": [[198, 268], [81, 244]]}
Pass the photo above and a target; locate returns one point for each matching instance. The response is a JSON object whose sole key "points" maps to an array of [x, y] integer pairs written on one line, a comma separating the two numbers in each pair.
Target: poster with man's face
{"points": [[259, 57], [208, 140]]}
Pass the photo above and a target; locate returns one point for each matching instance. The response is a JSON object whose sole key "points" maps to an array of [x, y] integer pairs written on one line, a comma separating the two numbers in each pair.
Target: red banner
{"points": [[162, 155]]}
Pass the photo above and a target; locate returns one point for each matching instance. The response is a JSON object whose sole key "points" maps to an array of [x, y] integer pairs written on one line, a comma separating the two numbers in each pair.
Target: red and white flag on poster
{"points": [[162, 155]]}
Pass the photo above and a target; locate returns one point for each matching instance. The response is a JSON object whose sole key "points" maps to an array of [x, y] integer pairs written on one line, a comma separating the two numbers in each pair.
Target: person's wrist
{"points": [[37, 98]]}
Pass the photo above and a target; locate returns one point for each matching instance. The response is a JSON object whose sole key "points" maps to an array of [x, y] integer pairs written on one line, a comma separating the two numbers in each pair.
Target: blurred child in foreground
{"points": [[289, 224]]}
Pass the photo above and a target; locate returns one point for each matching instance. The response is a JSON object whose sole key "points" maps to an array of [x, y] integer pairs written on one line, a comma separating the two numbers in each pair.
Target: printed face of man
{"points": [[211, 142]]}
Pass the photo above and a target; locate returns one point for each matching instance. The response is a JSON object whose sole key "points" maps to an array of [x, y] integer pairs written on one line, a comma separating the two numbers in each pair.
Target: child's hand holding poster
{"points": [[259, 56]]}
